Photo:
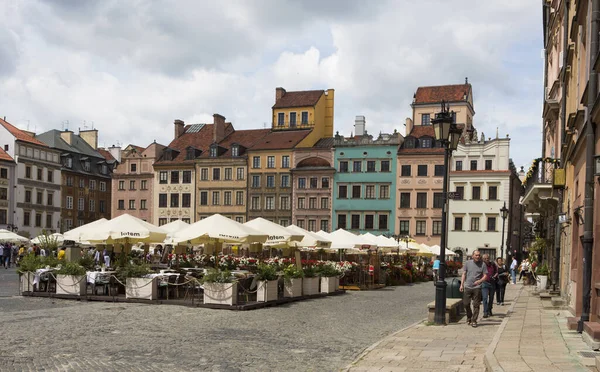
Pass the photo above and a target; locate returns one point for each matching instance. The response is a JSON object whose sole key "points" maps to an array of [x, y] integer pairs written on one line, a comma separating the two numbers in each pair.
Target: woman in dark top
{"points": [[501, 282]]}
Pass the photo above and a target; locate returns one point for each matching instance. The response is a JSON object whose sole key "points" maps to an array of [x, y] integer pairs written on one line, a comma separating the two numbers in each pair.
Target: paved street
{"points": [[317, 335]]}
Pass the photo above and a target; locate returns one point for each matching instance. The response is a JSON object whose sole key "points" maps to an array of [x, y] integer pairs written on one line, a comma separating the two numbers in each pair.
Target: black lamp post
{"points": [[448, 134], [504, 213]]}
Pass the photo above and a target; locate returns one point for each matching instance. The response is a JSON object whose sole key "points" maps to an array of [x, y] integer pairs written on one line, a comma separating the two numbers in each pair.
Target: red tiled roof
{"points": [[448, 93], [246, 137], [281, 140], [200, 140], [299, 99], [5, 156], [419, 131], [20, 135], [430, 151], [105, 154]]}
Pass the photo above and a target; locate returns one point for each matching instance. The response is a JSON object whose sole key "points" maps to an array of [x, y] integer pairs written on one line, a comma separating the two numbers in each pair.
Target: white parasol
{"points": [[125, 229], [218, 228], [9, 236], [279, 236], [74, 234], [311, 239]]}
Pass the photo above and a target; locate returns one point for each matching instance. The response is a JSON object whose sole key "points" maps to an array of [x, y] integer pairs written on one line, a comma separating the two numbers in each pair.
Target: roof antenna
{"points": [[466, 80], [28, 125]]}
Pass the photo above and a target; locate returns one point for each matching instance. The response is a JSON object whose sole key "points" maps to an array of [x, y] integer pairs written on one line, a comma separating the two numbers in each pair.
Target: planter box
{"points": [[267, 291], [220, 293], [329, 284], [26, 282], [293, 288], [542, 282], [71, 285], [141, 288], [310, 286]]}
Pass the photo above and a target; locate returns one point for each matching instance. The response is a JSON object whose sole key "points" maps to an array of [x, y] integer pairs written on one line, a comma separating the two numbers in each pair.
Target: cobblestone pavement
{"points": [[324, 334]]}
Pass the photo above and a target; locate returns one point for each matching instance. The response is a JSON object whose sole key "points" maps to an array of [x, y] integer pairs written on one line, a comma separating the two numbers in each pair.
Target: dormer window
{"points": [[425, 143], [213, 151], [235, 150], [68, 162], [409, 143], [86, 165], [190, 154], [104, 169]]}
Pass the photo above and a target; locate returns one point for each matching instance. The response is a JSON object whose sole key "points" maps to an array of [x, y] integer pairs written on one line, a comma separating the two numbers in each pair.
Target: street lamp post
{"points": [[448, 134], [504, 213]]}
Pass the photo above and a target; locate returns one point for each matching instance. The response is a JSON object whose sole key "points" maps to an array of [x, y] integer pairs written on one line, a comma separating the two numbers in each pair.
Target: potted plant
{"points": [[266, 275], [137, 284], [329, 278], [292, 277], [71, 279], [542, 274], [310, 283], [219, 287], [27, 267]]}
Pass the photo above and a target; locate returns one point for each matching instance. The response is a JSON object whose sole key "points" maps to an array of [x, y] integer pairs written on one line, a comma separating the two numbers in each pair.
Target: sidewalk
{"points": [[511, 340]]}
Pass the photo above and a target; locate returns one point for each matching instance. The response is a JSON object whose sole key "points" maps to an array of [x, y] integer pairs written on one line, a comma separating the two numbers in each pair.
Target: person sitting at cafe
{"points": [[61, 254]]}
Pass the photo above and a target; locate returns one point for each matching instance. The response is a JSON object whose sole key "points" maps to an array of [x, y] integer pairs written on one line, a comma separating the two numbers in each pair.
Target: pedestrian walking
{"points": [[513, 270], [524, 268], [1, 254], [502, 281], [7, 255], [488, 287], [436, 269], [474, 274], [15, 253]]}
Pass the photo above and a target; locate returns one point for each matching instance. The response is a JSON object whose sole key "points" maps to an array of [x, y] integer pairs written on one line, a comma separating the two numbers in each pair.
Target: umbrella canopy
{"points": [[9, 236], [45, 239], [74, 234], [342, 239], [418, 250], [219, 228], [172, 227], [279, 236], [310, 239], [125, 228], [436, 250]]}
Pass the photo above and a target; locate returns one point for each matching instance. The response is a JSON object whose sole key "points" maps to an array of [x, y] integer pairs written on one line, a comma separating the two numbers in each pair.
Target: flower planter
{"points": [[542, 282], [267, 291], [292, 288], [75, 285], [26, 282], [310, 286], [141, 288], [329, 284], [220, 293]]}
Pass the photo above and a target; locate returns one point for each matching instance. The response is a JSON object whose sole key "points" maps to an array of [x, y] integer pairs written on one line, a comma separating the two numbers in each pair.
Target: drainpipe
{"points": [[588, 209], [546, 7]]}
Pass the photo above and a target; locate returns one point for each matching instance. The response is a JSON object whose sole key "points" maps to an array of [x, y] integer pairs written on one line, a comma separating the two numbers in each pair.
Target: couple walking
{"points": [[482, 278]]}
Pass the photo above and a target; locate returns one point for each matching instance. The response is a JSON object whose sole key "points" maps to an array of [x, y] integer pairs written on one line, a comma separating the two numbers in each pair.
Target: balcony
{"points": [[539, 185], [286, 125]]}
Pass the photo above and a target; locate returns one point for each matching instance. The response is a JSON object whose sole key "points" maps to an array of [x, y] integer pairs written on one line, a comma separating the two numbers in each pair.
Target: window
{"points": [[341, 221], [3, 173], [437, 228], [343, 167], [133, 168], [3, 216], [284, 223], [269, 203], [162, 200], [235, 150], [314, 182], [325, 182], [50, 199], [131, 204], [240, 173], [187, 220], [81, 204], [239, 198], [50, 176], [40, 197], [384, 192], [301, 204], [92, 184], [404, 227], [131, 185], [301, 183], [86, 166], [163, 177], [438, 199], [49, 220], [68, 162], [186, 200], [27, 172], [473, 165], [27, 196], [421, 228], [4, 193], [69, 202], [342, 192], [425, 143], [143, 204], [255, 203], [104, 169], [204, 198], [255, 181], [226, 198], [256, 162], [292, 119], [385, 166], [174, 176], [102, 186], [491, 224], [369, 221], [162, 221], [26, 218], [216, 198], [213, 151], [216, 174], [228, 174], [493, 193], [422, 170], [488, 165], [270, 162], [187, 177], [438, 170], [405, 171], [460, 190], [325, 225], [356, 166], [238, 219], [356, 191], [458, 223], [425, 119], [40, 174], [81, 183], [270, 181], [355, 221], [370, 166], [69, 181], [68, 224], [312, 203], [101, 206], [38, 220], [304, 117], [476, 193], [281, 119], [324, 203], [284, 203], [404, 200], [421, 200], [370, 192], [458, 165], [383, 222], [474, 223], [285, 180], [285, 161], [300, 223], [204, 174]]}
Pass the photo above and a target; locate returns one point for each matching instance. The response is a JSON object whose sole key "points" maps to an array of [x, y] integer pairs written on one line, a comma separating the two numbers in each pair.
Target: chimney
{"points": [[179, 124], [359, 125], [67, 136], [279, 92], [409, 126], [115, 151], [218, 128], [90, 136]]}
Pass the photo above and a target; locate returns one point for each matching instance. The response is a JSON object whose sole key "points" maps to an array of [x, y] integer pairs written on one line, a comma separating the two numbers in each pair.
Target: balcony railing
{"points": [[541, 172], [293, 125]]}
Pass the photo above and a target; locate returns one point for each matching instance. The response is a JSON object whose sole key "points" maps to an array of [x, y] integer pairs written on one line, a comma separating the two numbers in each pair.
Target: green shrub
{"points": [[310, 271], [71, 268], [217, 276], [542, 270], [87, 262], [29, 263], [130, 270], [266, 272], [328, 271]]}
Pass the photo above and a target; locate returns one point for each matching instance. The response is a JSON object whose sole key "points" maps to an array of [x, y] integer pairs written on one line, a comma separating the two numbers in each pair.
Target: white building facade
{"points": [[480, 172]]}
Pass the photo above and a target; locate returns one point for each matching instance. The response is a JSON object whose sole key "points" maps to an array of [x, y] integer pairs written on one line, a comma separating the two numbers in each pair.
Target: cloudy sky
{"points": [[132, 67]]}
